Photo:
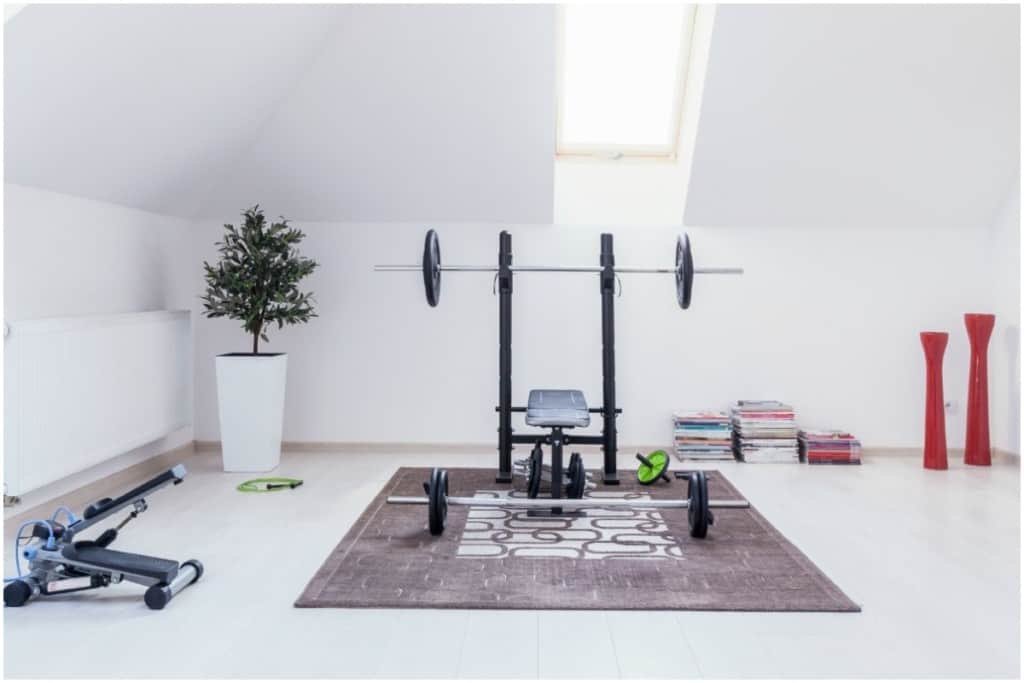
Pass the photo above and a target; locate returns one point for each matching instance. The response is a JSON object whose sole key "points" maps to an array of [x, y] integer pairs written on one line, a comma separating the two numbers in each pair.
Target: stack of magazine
{"points": [[764, 431], [703, 435], [829, 447]]}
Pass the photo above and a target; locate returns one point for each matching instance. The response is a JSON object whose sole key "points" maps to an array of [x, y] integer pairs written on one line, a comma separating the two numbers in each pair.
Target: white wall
{"points": [[624, 192], [67, 256], [1003, 268], [828, 320]]}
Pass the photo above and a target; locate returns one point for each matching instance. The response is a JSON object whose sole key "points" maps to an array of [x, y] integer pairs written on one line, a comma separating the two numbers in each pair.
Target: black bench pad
{"points": [[128, 563]]}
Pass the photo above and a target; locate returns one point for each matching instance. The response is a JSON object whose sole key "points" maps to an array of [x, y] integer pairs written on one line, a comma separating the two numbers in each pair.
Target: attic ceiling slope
{"points": [[411, 113], [140, 105], [858, 115]]}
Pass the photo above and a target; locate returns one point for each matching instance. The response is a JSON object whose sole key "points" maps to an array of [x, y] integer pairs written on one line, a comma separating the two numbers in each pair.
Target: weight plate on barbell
{"points": [[684, 271], [437, 507], [432, 267], [698, 511]]}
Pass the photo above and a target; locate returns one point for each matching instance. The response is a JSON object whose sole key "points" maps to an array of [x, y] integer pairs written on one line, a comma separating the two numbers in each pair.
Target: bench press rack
{"points": [[608, 439], [683, 273]]}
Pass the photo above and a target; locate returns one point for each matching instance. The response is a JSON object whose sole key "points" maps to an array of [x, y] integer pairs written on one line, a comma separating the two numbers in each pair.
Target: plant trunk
{"points": [[256, 343]]}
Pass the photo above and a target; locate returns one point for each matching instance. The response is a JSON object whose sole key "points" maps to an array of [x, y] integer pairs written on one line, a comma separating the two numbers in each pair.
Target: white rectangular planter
{"points": [[250, 399]]}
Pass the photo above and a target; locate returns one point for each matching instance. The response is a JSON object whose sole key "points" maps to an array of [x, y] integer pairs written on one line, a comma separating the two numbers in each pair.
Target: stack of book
{"points": [[827, 447], [703, 435], [764, 431]]}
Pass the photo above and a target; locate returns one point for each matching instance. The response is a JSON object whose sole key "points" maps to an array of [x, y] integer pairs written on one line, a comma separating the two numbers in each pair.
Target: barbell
{"points": [[683, 270], [697, 504]]}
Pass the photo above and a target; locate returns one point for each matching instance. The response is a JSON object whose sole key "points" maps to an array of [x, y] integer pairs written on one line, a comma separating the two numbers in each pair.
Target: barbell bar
{"points": [[697, 503], [720, 270], [432, 268], [566, 503]]}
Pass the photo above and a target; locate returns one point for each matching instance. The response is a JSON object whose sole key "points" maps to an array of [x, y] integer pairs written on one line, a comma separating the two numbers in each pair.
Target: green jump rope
{"points": [[268, 485]]}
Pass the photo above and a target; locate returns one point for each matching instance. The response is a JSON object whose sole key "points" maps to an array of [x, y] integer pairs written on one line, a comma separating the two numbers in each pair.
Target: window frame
{"points": [[616, 152]]}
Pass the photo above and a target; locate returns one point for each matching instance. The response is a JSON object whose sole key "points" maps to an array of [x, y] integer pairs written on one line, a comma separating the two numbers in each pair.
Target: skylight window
{"points": [[621, 77]]}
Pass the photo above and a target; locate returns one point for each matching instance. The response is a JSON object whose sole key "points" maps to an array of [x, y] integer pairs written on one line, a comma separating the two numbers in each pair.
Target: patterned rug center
{"points": [[593, 534]]}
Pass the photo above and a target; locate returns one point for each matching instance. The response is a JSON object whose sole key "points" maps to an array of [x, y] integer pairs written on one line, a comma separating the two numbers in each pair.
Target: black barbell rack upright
{"points": [[504, 358], [610, 445]]}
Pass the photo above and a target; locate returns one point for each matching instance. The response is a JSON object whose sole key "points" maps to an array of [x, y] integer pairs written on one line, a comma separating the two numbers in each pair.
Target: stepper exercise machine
{"points": [[59, 564]]}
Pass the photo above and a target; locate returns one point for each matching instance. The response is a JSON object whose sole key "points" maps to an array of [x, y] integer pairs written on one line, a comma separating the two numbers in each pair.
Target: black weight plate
{"points": [[698, 511], [575, 461], [577, 477], [437, 505], [536, 468], [684, 271], [444, 506], [432, 267]]}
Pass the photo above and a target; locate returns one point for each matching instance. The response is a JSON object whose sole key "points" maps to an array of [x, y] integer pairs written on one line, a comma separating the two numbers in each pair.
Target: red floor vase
{"points": [[977, 450], [934, 344]]}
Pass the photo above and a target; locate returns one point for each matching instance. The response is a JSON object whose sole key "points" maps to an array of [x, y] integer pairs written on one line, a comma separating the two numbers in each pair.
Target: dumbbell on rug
{"points": [[521, 469], [575, 478]]}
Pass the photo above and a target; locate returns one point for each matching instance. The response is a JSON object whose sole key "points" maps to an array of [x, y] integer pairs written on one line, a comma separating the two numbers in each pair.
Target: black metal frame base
{"points": [[554, 512]]}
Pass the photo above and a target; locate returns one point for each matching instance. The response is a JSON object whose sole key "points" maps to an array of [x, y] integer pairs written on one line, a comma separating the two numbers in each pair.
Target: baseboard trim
{"points": [[413, 447], [953, 454], [107, 486], [435, 447]]}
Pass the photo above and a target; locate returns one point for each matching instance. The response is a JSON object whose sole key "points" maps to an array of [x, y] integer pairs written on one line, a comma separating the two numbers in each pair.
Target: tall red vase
{"points": [[934, 344], [977, 450]]}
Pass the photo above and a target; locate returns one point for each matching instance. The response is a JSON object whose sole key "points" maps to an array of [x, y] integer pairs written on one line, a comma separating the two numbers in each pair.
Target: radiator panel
{"points": [[79, 391]]}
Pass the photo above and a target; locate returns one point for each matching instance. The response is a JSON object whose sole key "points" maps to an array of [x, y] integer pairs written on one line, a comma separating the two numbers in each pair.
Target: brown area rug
{"points": [[600, 559]]}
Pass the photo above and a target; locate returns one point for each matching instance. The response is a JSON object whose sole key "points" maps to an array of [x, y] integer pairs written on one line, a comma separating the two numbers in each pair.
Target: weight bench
{"points": [[60, 564], [558, 410]]}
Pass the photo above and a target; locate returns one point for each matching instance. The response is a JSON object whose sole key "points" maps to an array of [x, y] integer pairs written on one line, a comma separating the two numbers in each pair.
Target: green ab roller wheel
{"points": [[652, 467]]}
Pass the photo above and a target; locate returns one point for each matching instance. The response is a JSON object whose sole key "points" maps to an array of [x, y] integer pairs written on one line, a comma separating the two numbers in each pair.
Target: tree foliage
{"points": [[257, 278]]}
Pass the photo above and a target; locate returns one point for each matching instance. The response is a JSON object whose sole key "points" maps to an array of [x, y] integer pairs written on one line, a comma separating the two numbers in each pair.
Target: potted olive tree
{"points": [[256, 282]]}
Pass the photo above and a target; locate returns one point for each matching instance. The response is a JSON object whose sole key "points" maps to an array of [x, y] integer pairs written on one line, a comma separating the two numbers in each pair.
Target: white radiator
{"points": [[78, 391]]}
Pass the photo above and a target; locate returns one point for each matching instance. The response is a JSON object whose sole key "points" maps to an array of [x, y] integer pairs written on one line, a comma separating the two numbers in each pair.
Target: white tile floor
{"points": [[933, 558]]}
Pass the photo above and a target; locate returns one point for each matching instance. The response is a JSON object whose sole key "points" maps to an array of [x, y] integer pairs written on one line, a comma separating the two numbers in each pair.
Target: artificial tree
{"points": [[257, 278]]}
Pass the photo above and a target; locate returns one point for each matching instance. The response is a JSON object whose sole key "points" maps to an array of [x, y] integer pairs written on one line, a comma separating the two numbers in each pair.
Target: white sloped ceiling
{"points": [[142, 105], [413, 113], [818, 115], [344, 112], [855, 115]]}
